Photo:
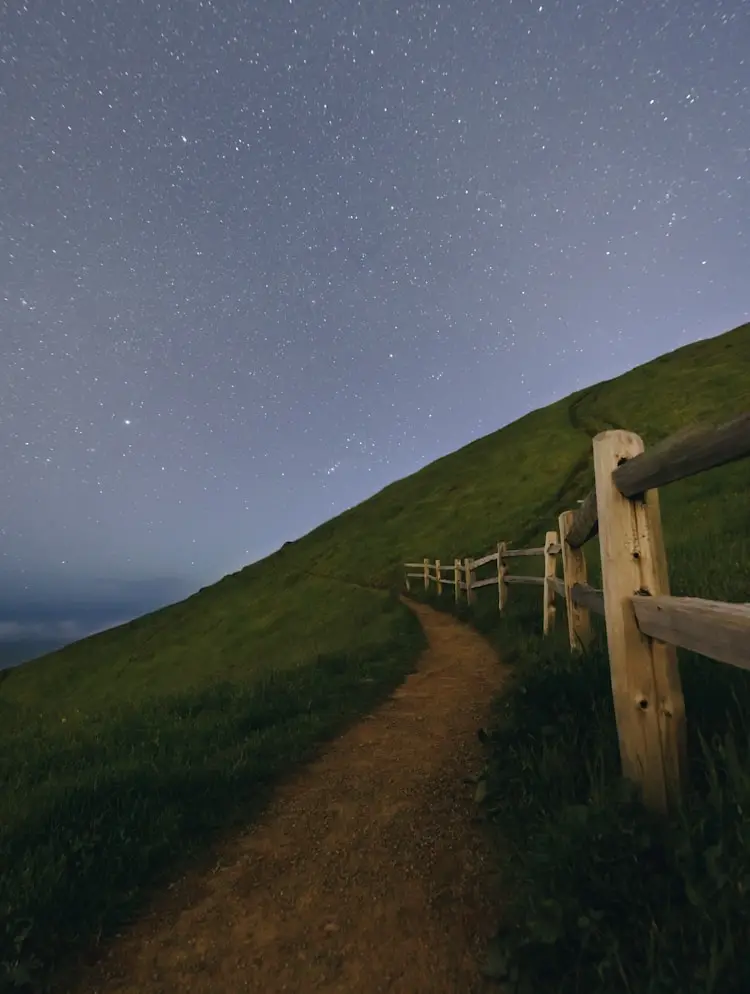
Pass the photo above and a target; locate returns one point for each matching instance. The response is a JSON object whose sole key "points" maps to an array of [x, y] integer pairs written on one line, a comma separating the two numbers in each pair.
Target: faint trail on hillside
{"points": [[589, 426], [367, 873], [573, 483]]}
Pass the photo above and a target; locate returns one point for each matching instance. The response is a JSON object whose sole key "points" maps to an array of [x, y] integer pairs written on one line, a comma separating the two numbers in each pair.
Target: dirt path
{"points": [[366, 873]]}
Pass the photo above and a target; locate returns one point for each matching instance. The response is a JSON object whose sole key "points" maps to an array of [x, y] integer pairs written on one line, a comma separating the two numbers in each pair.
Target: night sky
{"points": [[259, 259]]}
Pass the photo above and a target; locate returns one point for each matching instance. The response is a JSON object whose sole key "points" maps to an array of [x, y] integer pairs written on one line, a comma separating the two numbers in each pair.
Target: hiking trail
{"points": [[368, 872]]}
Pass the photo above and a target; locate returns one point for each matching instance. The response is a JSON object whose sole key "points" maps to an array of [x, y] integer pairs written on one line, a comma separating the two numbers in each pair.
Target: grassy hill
{"points": [[122, 754]]}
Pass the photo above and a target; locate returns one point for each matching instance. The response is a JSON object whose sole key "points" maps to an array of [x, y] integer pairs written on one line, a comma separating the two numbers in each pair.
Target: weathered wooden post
{"points": [[408, 584], [502, 586], [426, 567], [649, 706], [469, 581], [574, 571], [457, 577], [438, 577], [548, 590]]}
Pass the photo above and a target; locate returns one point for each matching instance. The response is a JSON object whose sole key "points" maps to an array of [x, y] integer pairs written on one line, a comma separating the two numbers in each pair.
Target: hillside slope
{"points": [[512, 483], [509, 484], [122, 749]]}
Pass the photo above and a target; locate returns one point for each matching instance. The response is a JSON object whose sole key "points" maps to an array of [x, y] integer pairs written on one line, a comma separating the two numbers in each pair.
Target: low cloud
{"points": [[66, 615], [65, 629]]}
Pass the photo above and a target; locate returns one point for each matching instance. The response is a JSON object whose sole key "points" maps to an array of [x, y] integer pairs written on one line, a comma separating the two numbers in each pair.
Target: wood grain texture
{"points": [[588, 597], [574, 572], [584, 525], [715, 629], [469, 580], [502, 570], [548, 593], [649, 706]]}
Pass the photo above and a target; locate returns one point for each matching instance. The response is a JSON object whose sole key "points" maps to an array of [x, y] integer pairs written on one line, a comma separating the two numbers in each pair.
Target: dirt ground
{"points": [[367, 873]]}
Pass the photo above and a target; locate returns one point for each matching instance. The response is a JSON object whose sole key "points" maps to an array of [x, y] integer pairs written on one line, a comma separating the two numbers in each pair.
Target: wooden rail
{"points": [[712, 628], [683, 454], [559, 586], [589, 598], [488, 582], [690, 451], [644, 623], [584, 524]]}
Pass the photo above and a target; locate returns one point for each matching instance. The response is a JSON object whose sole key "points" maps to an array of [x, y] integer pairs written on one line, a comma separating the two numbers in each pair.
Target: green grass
{"points": [[122, 756]]}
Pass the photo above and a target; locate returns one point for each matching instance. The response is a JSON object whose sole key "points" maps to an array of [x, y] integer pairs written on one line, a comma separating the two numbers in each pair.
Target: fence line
{"points": [[644, 623]]}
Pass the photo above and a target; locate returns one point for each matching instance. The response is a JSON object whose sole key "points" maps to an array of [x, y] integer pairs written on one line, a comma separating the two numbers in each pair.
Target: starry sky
{"points": [[259, 258]]}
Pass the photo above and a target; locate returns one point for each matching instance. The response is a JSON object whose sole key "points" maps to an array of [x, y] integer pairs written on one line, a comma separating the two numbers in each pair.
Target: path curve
{"points": [[367, 873]]}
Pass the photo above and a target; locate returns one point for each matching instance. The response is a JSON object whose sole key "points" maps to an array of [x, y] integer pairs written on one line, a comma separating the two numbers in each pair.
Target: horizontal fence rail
{"points": [[712, 628], [588, 597], [644, 623], [691, 451], [489, 582], [584, 525]]}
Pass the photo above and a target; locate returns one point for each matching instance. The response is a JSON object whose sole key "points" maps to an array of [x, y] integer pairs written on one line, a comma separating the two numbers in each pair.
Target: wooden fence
{"points": [[644, 623]]}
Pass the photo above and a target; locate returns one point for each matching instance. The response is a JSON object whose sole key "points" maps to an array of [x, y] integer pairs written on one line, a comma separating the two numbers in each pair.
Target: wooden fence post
{"points": [[469, 581], [426, 565], [649, 705], [548, 590], [408, 584], [502, 586], [574, 571], [457, 577], [438, 577]]}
